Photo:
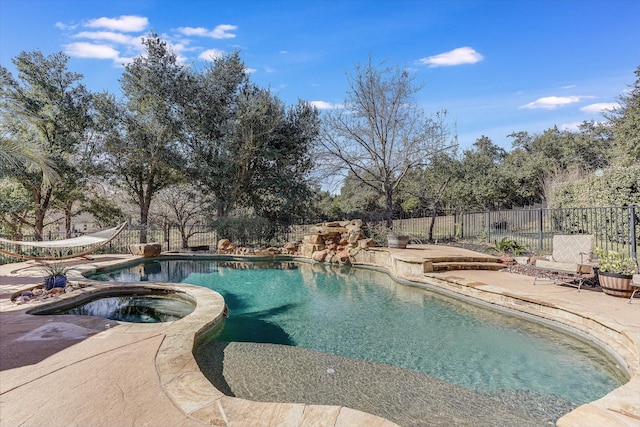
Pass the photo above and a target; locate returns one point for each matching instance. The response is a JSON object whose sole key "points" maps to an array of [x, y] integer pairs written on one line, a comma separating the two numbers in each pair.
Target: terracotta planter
{"points": [[617, 285], [399, 242]]}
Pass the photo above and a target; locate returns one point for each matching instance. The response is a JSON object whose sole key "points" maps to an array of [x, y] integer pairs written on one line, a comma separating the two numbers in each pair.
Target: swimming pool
{"points": [[364, 314]]}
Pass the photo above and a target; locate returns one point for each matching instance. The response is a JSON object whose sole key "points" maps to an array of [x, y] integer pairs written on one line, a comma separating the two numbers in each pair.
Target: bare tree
{"points": [[181, 206], [380, 133]]}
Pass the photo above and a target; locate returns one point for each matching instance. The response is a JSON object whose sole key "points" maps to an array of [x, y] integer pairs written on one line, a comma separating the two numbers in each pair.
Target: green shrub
{"points": [[507, 246], [245, 231]]}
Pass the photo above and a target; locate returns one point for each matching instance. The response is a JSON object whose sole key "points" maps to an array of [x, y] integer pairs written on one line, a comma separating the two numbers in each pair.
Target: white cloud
{"points": [[573, 127], [552, 102], [323, 105], [250, 70], [600, 107], [65, 27], [126, 23], [191, 31], [109, 36], [90, 50], [459, 56], [222, 31], [211, 54]]}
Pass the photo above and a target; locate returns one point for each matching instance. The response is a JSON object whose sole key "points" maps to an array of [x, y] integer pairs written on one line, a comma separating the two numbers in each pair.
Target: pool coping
{"points": [[188, 388]]}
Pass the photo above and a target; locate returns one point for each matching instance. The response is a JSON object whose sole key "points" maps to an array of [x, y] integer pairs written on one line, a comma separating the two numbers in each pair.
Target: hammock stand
{"points": [[99, 238]]}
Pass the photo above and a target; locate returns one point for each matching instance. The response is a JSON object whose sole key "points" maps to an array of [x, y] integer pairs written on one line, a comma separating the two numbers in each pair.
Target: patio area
{"points": [[86, 371]]}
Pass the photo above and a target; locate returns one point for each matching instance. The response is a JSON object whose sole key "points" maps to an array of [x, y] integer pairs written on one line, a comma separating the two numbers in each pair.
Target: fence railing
{"points": [[614, 228]]}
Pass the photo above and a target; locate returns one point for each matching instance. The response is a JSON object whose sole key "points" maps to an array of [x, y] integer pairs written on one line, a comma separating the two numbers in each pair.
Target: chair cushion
{"points": [[559, 266], [572, 248]]}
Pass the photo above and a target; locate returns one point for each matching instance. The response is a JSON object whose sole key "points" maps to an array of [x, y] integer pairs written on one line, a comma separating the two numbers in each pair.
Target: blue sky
{"points": [[497, 66]]}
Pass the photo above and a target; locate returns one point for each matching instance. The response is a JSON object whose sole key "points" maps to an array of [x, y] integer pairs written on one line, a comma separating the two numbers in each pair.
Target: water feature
{"points": [[148, 308]]}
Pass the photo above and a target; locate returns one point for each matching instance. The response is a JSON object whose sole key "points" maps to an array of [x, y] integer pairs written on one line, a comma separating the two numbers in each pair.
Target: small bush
{"points": [[246, 231]]}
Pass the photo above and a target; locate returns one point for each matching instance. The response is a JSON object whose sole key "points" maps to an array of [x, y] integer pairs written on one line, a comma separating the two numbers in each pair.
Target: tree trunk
{"points": [[144, 217], [42, 199], [67, 219], [39, 224], [389, 203], [433, 221]]}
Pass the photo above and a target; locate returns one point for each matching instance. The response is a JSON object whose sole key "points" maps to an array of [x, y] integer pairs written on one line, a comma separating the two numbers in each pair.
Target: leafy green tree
{"points": [[139, 150], [247, 149], [271, 145], [325, 206], [433, 188], [355, 200], [537, 162], [104, 210], [614, 186], [380, 133], [16, 207], [483, 185], [46, 110], [209, 120], [626, 125]]}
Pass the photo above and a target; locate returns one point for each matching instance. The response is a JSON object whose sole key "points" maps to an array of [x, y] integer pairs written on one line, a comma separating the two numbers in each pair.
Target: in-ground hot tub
{"points": [[139, 305]]}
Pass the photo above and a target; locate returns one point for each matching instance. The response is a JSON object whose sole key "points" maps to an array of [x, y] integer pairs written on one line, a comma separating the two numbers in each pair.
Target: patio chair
{"points": [[571, 261], [635, 283], [99, 239]]}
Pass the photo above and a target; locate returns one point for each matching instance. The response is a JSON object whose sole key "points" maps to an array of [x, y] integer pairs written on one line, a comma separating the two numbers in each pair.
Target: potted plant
{"points": [[397, 239], [55, 276], [615, 272], [379, 232]]}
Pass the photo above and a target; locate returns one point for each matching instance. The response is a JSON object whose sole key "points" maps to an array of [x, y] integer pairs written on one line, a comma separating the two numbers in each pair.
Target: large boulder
{"points": [[147, 250], [225, 246], [320, 256]]}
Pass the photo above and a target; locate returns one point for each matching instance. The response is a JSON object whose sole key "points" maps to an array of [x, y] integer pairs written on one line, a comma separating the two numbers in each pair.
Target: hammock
{"points": [[99, 238]]}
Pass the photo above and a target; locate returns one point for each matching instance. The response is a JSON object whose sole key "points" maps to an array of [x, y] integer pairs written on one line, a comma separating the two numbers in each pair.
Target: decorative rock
{"points": [[507, 260], [354, 225], [342, 257], [223, 244], [366, 243], [290, 248], [534, 259], [147, 250], [308, 249], [314, 239], [319, 256]]}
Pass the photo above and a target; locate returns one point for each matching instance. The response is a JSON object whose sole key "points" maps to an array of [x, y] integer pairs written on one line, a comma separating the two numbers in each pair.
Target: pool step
{"points": [[467, 265]]}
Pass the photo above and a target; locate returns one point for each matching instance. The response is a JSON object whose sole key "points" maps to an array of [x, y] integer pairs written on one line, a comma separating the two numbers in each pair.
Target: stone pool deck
{"points": [[83, 371]]}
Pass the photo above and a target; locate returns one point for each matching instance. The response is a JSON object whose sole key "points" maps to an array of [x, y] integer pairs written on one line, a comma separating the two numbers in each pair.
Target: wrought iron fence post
{"points": [[487, 224], [540, 228], [632, 231]]}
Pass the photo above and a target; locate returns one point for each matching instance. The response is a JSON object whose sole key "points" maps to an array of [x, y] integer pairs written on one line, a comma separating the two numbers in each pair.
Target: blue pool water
{"points": [[364, 314]]}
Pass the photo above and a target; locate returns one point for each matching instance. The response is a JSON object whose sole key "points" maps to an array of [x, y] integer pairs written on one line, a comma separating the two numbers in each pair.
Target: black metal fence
{"points": [[614, 228]]}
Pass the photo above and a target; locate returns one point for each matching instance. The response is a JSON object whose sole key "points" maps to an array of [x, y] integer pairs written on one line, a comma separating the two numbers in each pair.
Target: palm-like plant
{"points": [[16, 154]]}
